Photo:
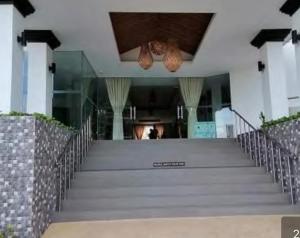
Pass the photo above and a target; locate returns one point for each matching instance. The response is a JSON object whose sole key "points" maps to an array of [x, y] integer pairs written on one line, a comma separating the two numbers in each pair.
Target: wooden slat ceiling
{"points": [[160, 97], [133, 29]]}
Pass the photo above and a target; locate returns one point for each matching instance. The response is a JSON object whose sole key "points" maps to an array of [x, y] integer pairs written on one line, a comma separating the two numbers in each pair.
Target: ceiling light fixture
{"points": [[158, 47], [173, 58], [145, 58]]}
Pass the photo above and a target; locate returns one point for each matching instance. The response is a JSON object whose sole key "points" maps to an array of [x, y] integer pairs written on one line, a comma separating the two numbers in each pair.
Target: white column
{"points": [[40, 79], [247, 93], [11, 59], [274, 81], [296, 26]]}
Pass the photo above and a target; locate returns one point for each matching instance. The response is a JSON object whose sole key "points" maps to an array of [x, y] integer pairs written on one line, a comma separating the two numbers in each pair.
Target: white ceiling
{"points": [[85, 25]]}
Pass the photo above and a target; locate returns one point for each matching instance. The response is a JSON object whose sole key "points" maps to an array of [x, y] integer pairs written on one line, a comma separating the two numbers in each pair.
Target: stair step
{"points": [[133, 163], [167, 141], [166, 173], [171, 201], [264, 209], [91, 193], [118, 150], [110, 155], [118, 181], [132, 181]]}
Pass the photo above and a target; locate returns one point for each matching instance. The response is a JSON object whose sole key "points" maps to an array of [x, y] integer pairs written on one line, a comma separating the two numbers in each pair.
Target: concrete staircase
{"points": [[118, 181]]}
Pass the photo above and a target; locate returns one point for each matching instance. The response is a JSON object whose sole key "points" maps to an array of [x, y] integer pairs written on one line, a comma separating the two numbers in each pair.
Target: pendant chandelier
{"points": [[173, 58], [158, 47], [145, 58]]}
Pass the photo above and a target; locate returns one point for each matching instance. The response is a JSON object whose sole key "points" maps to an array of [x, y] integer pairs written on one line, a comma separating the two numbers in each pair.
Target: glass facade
{"points": [[78, 92], [73, 88]]}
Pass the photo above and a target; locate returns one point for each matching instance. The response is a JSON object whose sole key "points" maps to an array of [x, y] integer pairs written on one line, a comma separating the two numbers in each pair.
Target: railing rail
{"points": [[278, 161], [70, 160]]}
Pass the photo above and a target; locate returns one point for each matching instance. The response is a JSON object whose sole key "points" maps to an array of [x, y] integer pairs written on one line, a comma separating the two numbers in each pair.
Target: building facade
{"points": [[92, 79]]}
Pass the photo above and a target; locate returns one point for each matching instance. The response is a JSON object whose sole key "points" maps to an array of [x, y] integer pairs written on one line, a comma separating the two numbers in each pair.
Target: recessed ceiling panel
{"points": [[133, 29]]}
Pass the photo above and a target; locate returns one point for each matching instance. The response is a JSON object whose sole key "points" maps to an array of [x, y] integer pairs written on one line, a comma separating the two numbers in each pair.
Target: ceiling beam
{"points": [[290, 7], [273, 35], [23, 6], [46, 36]]}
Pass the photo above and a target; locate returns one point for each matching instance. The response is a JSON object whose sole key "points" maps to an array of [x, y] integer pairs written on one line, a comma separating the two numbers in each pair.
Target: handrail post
{"points": [[245, 138], [273, 163], [250, 143], [241, 135], [78, 152], [60, 188], [281, 170], [86, 138], [266, 154], [70, 166], [73, 157], [255, 148], [65, 176], [259, 152], [291, 181]]}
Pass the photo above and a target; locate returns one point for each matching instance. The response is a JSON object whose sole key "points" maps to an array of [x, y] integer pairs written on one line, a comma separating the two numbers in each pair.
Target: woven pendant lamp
{"points": [[158, 47], [173, 58], [145, 58]]}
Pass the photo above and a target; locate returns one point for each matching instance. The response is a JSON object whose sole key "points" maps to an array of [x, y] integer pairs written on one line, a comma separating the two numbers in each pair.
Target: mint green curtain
{"points": [[191, 89], [118, 89]]}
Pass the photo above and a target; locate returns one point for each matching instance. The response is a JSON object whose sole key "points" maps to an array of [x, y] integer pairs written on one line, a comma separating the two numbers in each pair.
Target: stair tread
{"points": [[171, 201], [187, 211], [91, 193], [175, 171]]}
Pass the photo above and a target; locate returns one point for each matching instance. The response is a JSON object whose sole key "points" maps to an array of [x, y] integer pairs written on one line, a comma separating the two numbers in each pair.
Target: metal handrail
{"points": [[265, 134], [267, 152], [70, 160]]}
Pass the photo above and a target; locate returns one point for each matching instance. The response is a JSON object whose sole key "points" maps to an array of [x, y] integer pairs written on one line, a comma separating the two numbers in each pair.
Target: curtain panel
{"points": [[118, 89], [191, 89]]}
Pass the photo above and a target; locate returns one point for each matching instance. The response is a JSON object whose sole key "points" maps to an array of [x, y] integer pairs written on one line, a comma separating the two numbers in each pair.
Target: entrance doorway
{"points": [[147, 131], [150, 106]]}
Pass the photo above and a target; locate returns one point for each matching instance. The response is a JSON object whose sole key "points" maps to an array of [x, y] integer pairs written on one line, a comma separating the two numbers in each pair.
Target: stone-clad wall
{"points": [[17, 173], [50, 141], [288, 135], [28, 151]]}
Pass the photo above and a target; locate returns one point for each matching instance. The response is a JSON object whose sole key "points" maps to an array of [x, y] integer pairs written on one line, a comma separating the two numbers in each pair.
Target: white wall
{"points": [[274, 81], [246, 93], [40, 80], [296, 26], [11, 56], [293, 84]]}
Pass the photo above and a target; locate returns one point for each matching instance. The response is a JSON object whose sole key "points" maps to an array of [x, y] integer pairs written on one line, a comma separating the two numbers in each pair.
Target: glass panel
{"points": [[68, 70], [67, 108], [74, 91]]}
